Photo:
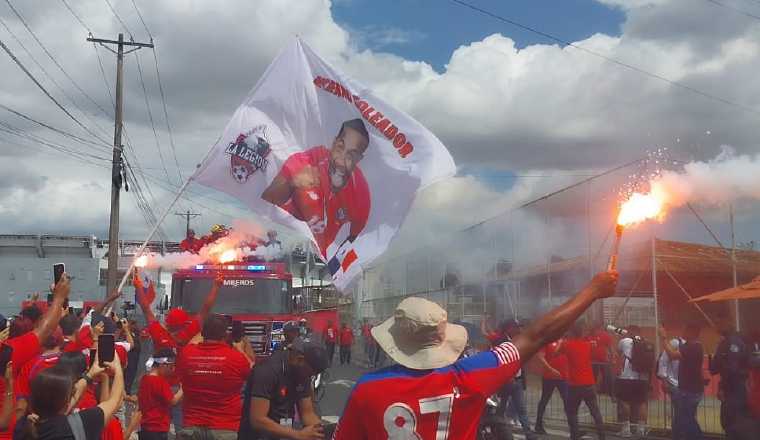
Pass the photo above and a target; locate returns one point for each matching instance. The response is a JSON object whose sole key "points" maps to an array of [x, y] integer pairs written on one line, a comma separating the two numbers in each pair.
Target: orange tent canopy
{"points": [[745, 291]]}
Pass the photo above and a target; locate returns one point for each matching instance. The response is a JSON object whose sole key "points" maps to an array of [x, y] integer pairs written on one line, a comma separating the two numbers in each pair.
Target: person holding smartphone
{"points": [[27, 346], [50, 401]]}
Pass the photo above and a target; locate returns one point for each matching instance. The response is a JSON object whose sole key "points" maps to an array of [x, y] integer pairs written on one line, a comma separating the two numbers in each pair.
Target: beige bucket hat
{"points": [[418, 335]]}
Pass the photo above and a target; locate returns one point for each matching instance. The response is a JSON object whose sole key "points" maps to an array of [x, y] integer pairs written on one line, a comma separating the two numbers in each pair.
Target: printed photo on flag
{"points": [[314, 150]]}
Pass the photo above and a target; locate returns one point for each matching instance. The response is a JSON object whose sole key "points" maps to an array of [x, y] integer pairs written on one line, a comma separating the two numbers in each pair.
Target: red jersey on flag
{"points": [[442, 404], [326, 211]]}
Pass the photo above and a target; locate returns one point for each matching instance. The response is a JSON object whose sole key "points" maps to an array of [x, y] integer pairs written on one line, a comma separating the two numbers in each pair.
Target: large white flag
{"points": [[312, 149]]}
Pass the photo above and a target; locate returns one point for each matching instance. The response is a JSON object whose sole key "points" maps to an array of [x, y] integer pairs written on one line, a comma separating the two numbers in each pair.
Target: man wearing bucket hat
{"points": [[431, 393]]}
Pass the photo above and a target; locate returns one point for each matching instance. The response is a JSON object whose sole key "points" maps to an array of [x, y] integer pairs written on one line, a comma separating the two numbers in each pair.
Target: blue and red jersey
{"points": [[441, 404]]}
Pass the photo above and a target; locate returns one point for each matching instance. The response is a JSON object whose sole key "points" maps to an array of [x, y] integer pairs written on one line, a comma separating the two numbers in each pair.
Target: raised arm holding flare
{"points": [[211, 298], [432, 392]]}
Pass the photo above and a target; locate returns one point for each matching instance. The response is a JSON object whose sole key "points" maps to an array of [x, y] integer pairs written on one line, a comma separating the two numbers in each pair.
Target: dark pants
{"points": [[685, 425], [576, 395], [603, 374], [147, 435], [330, 346], [514, 393], [379, 357], [345, 354], [732, 408], [547, 389]]}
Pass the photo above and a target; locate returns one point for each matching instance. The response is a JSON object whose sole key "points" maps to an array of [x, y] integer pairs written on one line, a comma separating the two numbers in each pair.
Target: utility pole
{"points": [[187, 215], [116, 166]]}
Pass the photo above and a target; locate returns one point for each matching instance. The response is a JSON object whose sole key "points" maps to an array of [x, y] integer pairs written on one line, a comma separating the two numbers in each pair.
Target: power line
{"points": [[87, 28], [47, 74], [116, 14], [142, 20], [735, 9], [163, 96], [89, 143], [150, 117], [50, 55], [607, 58], [44, 90]]}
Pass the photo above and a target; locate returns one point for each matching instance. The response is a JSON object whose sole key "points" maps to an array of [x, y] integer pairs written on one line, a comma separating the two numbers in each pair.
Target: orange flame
{"points": [[228, 255], [141, 261], [641, 207]]}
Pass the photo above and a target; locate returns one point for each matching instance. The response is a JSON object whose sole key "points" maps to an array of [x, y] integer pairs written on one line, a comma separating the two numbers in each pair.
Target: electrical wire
{"points": [[732, 8], [150, 116], [45, 91], [607, 58], [139, 15], [52, 58], [116, 14], [88, 143], [87, 28]]}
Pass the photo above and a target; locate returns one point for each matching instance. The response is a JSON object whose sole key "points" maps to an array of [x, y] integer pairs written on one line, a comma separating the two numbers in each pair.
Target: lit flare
{"points": [[641, 207], [228, 255], [141, 261]]}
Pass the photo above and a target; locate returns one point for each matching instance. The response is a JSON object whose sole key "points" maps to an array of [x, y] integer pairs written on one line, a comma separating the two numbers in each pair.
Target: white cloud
{"points": [[541, 107]]}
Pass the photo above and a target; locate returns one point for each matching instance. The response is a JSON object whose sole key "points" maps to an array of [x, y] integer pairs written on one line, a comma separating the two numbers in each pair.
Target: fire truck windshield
{"points": [[236, 296]]}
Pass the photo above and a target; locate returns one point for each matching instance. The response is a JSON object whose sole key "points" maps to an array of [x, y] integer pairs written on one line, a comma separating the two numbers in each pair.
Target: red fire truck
{"points": [[257, 293]]}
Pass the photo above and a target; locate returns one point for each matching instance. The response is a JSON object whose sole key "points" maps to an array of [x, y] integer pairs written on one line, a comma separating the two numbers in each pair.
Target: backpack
{"points": [[642, 356]]}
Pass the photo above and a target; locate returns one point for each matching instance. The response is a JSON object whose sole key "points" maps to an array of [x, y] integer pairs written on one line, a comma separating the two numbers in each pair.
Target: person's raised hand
{"points": [[63, 288], [604, 284], [136, 280], [9, 376], [96, 369], [311, 432]]}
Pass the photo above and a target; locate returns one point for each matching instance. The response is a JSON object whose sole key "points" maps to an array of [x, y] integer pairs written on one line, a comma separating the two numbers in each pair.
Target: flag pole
{"points": [[150, 235]]}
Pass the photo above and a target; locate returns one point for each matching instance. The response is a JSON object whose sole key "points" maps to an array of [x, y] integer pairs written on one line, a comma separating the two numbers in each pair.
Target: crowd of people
{"points": [[56, 387]]}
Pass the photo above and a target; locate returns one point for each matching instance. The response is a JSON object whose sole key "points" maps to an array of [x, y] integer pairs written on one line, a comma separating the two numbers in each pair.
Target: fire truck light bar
{"points": [[254, 268]]}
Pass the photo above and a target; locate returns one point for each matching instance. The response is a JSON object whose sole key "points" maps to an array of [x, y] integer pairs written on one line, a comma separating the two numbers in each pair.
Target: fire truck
{"points": [[259, 294]]}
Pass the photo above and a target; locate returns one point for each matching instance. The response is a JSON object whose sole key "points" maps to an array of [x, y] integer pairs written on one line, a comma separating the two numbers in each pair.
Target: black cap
{"points": [[316, 356]]}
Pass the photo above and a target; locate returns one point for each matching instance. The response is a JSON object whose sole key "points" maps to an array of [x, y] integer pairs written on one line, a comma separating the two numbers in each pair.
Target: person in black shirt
{"points": [[691, 384], [731, 362], [275, 387], [52, 392]]}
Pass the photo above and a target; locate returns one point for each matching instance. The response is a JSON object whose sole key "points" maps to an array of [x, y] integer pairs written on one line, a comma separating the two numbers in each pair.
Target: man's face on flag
{"points": [[346, 151]]}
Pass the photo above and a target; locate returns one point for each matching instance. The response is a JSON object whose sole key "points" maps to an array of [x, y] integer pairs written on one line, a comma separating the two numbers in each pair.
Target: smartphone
{"points": [[6, 351], [58, 270], [236, 334], [106, 350]]}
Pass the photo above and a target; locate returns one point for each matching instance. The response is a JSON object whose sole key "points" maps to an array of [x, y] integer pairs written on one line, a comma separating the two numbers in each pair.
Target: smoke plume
{"points": [[728, 177], [246, 239]]}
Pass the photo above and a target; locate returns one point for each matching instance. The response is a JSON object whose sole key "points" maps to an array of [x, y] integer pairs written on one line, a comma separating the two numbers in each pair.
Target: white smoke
{"points": [[246, 239], [726, 178]]}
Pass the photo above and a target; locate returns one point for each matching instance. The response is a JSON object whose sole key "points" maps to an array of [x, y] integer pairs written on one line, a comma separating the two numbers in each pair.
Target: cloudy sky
{"points": [[522, 114]]}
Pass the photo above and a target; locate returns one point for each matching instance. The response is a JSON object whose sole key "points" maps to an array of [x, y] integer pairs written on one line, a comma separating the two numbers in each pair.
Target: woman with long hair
{"points": [[52, 391]]}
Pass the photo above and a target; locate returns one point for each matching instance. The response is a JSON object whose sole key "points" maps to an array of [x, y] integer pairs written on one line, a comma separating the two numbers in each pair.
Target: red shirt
{"points": [[25, 348], [155, 397], [351, 204], [601, 342], [330, 335], [346, 337], [30, 370], [212, 376], [445, 403], [163, 339], [557, 360], [578, 352]]}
